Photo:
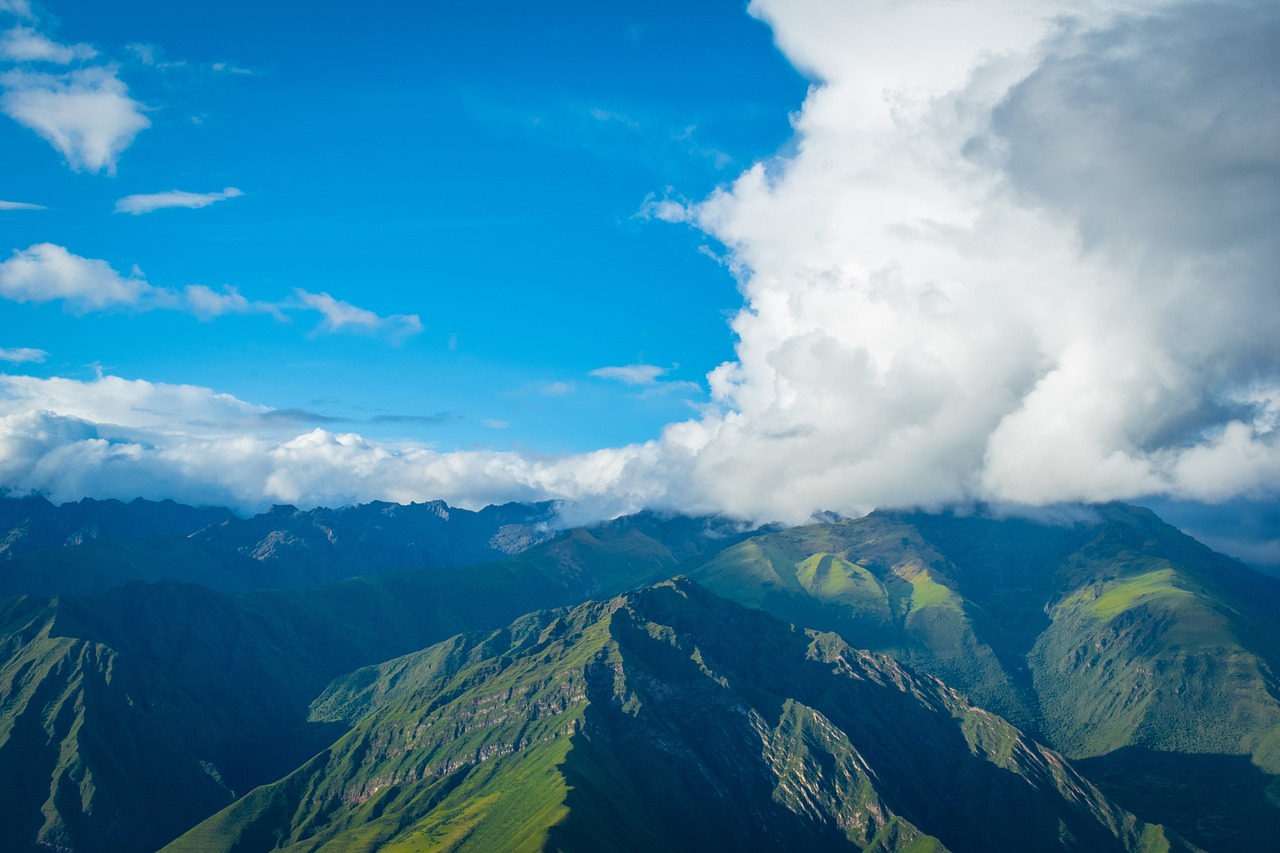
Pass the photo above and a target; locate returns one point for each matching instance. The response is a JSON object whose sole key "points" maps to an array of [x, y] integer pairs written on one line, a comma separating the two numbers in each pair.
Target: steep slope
{"points": [[666, 719], [89, 739], [1105, 631], [128, 716]]}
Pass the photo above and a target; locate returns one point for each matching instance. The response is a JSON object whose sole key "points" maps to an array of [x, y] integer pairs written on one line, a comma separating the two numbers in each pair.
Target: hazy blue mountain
{"points": [[91, 546]]}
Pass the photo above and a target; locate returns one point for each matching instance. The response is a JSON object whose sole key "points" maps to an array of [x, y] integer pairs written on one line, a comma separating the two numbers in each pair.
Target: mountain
{"points": [[31, 524], [126, 717], [91, 546], [129, 711], [1106, 632], [666, 719]]}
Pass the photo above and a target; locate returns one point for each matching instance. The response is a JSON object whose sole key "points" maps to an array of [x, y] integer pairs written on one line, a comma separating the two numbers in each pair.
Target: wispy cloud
{"points": [[22, 355], [46, 272], [24, 44], [228, 68], [339, 316], [147, 202], [18, 8], [86, 114], [207, 303], [632, 374], [649, 377], [666, 208], [557, 389], [20, 205]]}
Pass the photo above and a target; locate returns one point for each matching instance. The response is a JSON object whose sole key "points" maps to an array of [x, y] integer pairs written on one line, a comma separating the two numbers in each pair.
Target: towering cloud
{"points": [[1019, 253]]}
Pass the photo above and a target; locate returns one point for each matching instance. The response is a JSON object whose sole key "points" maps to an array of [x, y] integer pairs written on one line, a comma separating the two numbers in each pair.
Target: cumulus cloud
{"points": [[87, 114], [23, 44], [20, 205], [147, 202], [22, 355], [339, 316], [996, 265], [46, 272]]}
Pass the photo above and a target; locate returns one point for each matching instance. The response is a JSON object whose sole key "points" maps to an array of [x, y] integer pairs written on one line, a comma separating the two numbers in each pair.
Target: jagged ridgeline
{"points": [[666, 719], [89, 546]]}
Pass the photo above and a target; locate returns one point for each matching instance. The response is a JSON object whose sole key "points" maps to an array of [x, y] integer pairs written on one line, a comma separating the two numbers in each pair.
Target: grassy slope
{"points": [[666, 719], [234, 675], [1118, 633]]}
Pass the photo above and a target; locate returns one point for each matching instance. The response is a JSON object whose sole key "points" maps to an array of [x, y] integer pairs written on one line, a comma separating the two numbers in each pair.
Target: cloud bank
{"points": [[1017, 252]]}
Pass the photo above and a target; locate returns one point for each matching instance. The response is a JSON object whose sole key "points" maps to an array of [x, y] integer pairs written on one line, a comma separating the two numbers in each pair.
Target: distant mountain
{"points": [[31, 524], [128, 716], [90, 546], [1112, 634], [666, 719]]}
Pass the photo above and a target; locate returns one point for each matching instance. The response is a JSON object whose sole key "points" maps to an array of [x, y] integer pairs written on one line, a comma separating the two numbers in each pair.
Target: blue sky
{"points": [[481, 166], [804, 255]]}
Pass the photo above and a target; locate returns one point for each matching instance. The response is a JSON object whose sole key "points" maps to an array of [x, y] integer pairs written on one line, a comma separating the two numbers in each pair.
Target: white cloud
{"points": [[20, 205], [207, 303], [147, 202], [114, 438], [22, 355], [18, 8], [86, 114], [557, 389], [665, 209], [23, 44], [339, 316], [631, 374], [46, 272]]}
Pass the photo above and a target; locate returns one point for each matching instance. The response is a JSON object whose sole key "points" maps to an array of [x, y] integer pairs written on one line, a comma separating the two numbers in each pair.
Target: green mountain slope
{"points": [[142, 710], [666, 719], [1112, 631]]}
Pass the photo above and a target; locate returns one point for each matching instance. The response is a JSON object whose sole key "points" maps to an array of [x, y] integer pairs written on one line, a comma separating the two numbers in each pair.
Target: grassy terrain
{"points": [[665, 719]]}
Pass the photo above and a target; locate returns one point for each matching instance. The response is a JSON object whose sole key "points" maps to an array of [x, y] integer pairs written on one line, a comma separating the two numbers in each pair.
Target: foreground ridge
{"points": [[667, 718]]}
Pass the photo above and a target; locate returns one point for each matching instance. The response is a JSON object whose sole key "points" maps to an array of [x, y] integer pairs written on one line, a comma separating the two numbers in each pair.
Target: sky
{"points": [[768, 260]]}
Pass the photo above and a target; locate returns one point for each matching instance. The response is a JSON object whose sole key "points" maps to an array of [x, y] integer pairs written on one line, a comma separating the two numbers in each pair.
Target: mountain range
{"points": [[1094, 680]]}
